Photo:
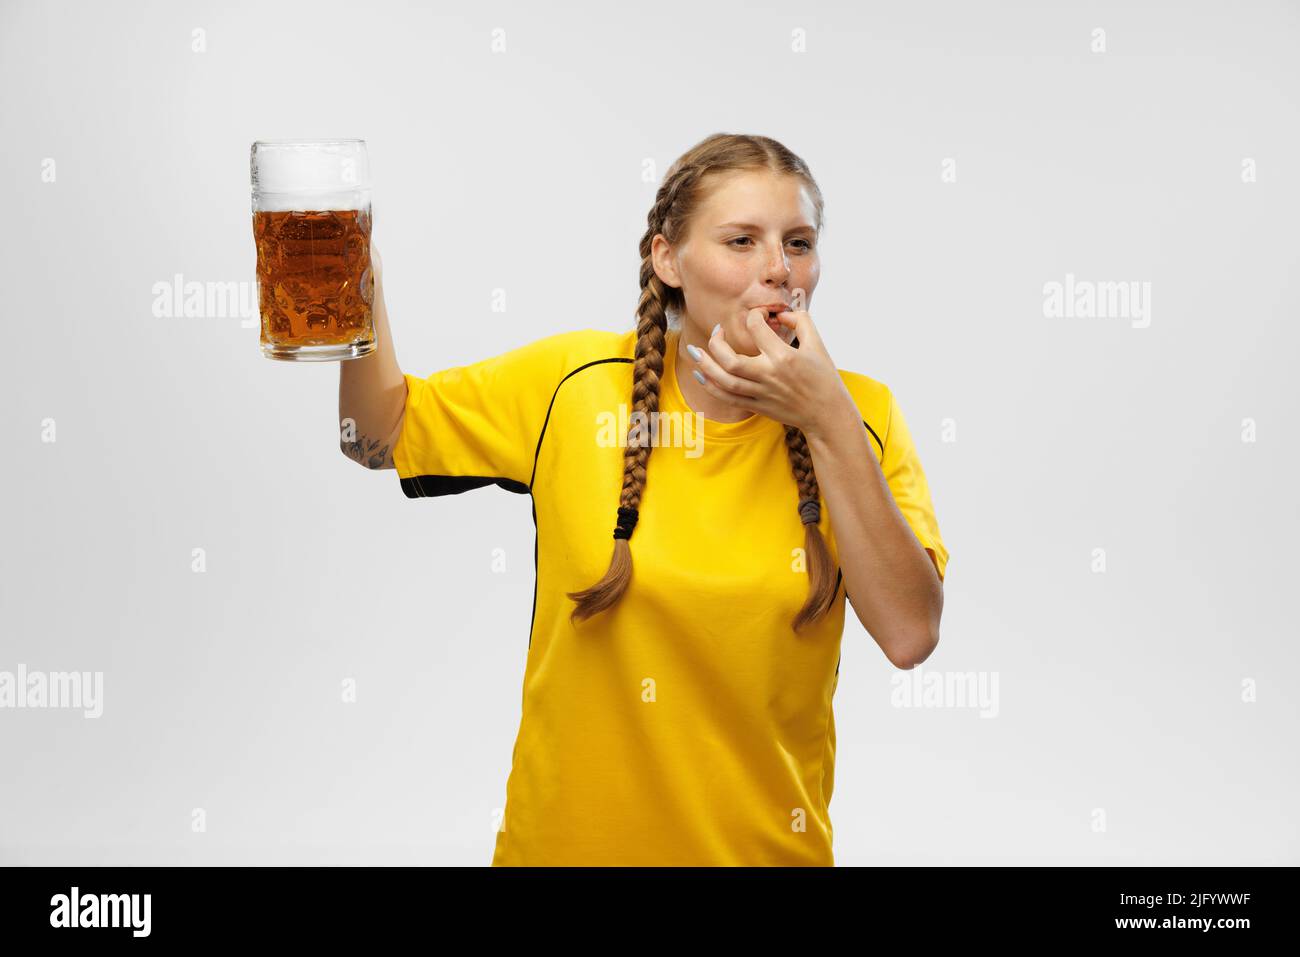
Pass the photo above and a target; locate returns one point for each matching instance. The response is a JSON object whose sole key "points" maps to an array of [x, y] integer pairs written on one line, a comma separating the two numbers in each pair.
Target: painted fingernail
{"points": [[715, 330], [696, 373], [695, 352]]}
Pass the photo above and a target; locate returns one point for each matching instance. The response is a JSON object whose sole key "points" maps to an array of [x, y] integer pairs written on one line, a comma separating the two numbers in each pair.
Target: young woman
{"points": [[677, 693]]}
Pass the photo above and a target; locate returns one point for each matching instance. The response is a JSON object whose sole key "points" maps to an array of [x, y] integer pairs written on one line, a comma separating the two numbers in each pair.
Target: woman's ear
{"points": [[661, 258]]}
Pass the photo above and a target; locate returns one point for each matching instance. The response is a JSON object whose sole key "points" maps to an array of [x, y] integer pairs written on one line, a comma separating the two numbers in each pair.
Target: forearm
{"points": [[372, 396], [890, 580]]}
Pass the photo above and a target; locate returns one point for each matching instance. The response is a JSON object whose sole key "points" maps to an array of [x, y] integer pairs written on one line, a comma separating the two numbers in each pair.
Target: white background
{"points": [[1120, 693]]}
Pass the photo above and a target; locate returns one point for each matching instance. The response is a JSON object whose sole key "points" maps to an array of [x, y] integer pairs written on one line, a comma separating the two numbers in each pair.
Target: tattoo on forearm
{"points": [[366, 451]]}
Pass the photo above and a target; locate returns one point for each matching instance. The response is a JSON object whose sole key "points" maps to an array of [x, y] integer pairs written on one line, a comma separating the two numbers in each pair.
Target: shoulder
{"points": [[564, 352], [580, 346], [874, 400], [549, 359]]}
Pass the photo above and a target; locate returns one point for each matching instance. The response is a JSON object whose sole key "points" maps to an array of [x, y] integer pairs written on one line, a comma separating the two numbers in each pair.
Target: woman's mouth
{"points": [[773, 309]]}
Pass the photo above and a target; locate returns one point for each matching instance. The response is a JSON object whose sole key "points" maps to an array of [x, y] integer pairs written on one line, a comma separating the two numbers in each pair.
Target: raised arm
{"points": [[372, 392]]}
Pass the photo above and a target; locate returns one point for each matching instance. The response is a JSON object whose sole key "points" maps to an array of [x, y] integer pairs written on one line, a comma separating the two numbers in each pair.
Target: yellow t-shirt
{"points": [[689, 724]]}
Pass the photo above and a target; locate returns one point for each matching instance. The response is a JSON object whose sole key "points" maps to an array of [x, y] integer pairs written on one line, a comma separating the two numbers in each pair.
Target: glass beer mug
{"points": [[311, 222]]}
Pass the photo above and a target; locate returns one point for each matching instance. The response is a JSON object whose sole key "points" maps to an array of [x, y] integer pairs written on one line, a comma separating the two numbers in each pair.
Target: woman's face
{"points": [[751, 243]]}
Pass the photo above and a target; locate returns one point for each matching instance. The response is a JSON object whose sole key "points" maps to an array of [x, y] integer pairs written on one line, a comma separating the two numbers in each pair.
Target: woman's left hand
{"points": [[799, 387]]}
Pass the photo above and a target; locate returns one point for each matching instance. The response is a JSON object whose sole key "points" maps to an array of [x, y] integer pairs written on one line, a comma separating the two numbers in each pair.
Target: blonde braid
{"points": [[821, 593], [647, 370]]}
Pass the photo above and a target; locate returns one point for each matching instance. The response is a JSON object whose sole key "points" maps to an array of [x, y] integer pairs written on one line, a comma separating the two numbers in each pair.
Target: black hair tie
{"points": [[626, 522], [810, 511]]}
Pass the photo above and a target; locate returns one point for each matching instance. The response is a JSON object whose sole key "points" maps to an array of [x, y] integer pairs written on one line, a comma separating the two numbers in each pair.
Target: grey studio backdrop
{"points": [[1117, 490]]}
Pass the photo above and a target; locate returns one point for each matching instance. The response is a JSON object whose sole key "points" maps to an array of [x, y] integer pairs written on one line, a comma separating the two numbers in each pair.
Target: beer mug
{"points": [[311, 222]]}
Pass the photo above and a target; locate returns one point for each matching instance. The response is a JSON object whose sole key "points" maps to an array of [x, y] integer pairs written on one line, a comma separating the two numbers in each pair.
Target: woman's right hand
{"points": [[376, 266]]}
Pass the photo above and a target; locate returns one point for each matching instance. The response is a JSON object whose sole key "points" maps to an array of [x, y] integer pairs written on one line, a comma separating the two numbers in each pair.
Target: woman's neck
{"points": [[696, 395]]}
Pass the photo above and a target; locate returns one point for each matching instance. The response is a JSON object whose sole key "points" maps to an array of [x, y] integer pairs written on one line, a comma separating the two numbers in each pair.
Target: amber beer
{"points": [[311, 224], [313, 276]]}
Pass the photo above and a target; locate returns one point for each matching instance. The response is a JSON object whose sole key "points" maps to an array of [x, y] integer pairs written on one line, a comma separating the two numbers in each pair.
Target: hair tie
{"points": [[810, 511], [626, 522]]}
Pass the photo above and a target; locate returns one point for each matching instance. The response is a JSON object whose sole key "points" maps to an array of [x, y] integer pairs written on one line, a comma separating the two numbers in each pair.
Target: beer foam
{"points": [[309, 199], [330, 174]]}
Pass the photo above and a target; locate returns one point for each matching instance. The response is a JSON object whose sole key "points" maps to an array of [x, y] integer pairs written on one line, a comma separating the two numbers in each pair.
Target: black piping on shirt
{"points": [[431, 486], [537, 454]]}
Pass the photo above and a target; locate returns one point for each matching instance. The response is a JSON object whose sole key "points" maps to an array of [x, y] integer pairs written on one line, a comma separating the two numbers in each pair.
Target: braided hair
{"points": [[679, 195]]}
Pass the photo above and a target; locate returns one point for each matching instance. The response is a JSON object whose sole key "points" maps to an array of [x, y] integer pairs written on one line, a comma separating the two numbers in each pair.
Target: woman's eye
{"points": [[806, 245]]}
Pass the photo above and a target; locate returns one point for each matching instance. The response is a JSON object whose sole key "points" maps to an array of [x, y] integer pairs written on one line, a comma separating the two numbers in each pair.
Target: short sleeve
{"points": [[902, 469], [480, 424]]}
